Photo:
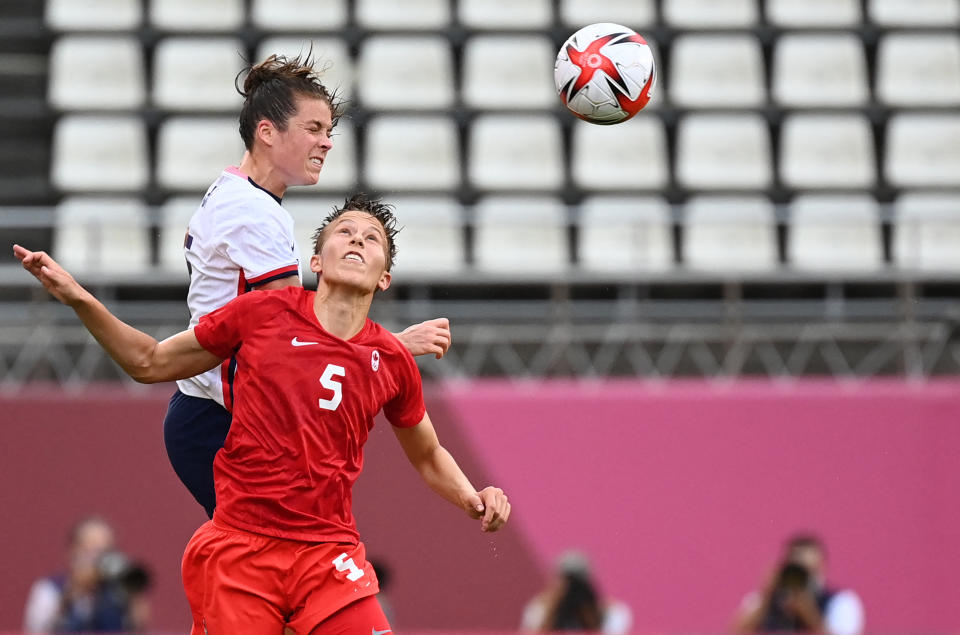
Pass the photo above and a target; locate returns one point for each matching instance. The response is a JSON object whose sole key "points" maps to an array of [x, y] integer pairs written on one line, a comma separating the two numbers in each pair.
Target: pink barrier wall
{"points": [[680, 492]]}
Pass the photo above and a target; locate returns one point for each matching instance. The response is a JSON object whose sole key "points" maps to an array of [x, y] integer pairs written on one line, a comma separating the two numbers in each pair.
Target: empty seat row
{"points": [[516, 236], [526, 152], [301, 15], [417, 72]]}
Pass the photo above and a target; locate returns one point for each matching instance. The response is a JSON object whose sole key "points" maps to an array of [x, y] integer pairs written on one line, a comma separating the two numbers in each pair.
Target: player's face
{"points": [[301, 149], [354, 253]]}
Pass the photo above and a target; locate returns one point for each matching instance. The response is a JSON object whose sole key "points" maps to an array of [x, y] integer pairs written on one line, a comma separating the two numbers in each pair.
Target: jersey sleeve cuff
{"points": [[275, 274]]}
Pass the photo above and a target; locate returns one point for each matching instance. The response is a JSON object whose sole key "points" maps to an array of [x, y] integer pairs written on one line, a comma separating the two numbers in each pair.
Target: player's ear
{"points": [[266, 131], [315, 265], [384, 283]]}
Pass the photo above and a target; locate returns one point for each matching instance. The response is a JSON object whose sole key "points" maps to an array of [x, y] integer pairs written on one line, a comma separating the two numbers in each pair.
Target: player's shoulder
{"points": [[380, 337], [273, 301], [233, 197]]}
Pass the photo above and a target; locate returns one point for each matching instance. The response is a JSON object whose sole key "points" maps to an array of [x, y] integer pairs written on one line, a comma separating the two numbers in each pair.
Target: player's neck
{"points": [[341, 311], [263, 173]]}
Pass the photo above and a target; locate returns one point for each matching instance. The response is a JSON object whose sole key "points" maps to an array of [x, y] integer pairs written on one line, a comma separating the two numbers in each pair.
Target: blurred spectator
{"points": [[101, 590], [796, 597], [571, 602], [384, 576]]}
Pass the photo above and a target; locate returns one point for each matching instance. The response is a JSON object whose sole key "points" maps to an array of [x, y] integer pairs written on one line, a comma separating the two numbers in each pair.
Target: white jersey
{"points": [[240, 236]]}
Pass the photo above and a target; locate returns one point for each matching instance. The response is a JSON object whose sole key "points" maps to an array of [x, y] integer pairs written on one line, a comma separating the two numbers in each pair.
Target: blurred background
{"points": [[678, 341]]}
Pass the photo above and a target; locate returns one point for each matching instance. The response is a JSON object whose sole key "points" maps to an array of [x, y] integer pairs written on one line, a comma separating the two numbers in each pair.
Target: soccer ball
{"points": [[604, 73]]}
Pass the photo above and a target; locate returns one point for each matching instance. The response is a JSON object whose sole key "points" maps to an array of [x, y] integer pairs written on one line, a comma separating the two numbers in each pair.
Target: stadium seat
{"points": [[926, 231], [632, 13], [819, 69], [406, 72], [827, 151], [730, 233], [412, 153], [192, 73], [101, 235], [175, 215], [714, 14], [834, 233], [491, 62], [431, 241], [331, 56], [301, 16], [340, 167], [622, 234], [923, 150], [197, 15], [814, 13], [93, 15], [910, 13], [919, 69], [77, 80], [520, 152], [308, 212], [723, 152], [520, 235], [411, 14], [506, 14], [629, 157], [100, 153], [717, 70], [193, 151]]}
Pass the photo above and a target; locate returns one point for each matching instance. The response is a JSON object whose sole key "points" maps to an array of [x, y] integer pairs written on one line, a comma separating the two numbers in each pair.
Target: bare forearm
{"points": [[440, 472]]}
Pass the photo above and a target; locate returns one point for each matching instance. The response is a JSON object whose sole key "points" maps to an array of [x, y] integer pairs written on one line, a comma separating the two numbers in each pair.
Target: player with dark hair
{"points": [[312, 370], [241, 239]]}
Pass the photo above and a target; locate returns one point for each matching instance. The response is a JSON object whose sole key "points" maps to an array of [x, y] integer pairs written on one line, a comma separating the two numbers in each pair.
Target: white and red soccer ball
{"points": [[605, 73]]}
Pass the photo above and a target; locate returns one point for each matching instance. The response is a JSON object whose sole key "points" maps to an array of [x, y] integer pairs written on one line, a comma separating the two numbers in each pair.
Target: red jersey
{"points": [[304, 403]]}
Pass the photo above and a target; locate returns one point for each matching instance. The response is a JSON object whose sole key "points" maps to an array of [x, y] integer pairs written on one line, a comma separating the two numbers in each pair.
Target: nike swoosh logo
{"points": [[297, 342], [376, 632]]}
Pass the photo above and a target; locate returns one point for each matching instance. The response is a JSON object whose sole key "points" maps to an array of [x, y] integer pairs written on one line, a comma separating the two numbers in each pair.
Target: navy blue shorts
{"points": [[194, 431]]}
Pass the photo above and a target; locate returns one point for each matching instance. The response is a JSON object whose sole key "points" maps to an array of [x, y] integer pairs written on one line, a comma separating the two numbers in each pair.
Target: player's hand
{"points": [[54, 278], [491, 506], [427, 338]]}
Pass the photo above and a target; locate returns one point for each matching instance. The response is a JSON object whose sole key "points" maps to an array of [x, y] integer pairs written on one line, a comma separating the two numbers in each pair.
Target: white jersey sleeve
{"points": [[238, 238]]}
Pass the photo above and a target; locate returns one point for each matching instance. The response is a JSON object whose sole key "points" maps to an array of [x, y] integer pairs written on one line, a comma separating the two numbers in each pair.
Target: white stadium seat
{"points": [[100, 153], [431, 239], [197, 15], [77, 80], [923, 150], [175, 215], [834, 233], [827, 151], [308, 212], [412, 153], [820, 69], [723, 152], [814, 13], [631, 156], [635, 14], [93, 15], [301, 16], [909, 13], [623, 234], [340, 167], [101, 235], [919, 69], [193, 151], [406, 72], [506, 14], [517, 235], [717, 70], [730, 233], [926, 231], [714, 14], [521, 152], [331, 57], [492, 62], [410, 14], [191, 73]]}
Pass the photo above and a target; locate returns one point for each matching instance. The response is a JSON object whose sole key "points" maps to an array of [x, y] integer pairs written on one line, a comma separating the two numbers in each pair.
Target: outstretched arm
{"points": [[427, 338], [440, 471], [139, 354]]}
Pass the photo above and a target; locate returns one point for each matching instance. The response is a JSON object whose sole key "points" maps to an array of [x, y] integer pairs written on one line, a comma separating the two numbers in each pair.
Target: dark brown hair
{"points": [[271, 87], [372, 205]]}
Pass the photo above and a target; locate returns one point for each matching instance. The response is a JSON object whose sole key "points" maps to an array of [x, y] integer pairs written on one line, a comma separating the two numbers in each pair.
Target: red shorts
{"points": [[239, 582]]}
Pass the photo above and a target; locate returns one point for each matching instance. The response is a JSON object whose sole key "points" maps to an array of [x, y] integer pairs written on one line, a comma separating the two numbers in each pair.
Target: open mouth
{"points": [[316, 162], [353, 256]]}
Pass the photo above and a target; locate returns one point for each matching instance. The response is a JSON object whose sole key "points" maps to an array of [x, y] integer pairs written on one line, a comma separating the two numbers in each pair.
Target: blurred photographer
{"points": [[102, 590], [797, 599]]}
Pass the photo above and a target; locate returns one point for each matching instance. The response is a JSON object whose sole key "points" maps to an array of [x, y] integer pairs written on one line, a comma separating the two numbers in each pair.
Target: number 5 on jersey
{"points": [[327, 381]]}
